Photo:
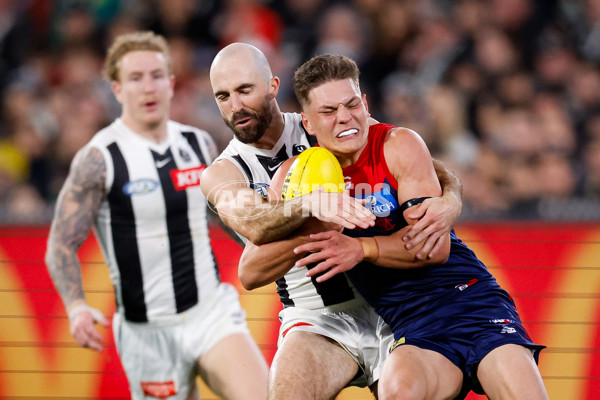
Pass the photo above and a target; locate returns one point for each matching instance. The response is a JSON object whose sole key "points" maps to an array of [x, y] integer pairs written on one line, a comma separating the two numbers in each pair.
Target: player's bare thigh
{"points": [[414, 373], [235, 368], [309, 366], [510, 372]]}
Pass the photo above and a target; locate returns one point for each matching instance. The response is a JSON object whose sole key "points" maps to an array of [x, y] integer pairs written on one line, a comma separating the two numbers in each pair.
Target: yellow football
{"points": [[314, 167]]}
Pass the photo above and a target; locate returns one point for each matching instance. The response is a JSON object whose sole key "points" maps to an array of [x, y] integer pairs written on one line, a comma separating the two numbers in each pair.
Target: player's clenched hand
{"points": [[435, 216], [333, 251], [339, 208], [82, 320]]}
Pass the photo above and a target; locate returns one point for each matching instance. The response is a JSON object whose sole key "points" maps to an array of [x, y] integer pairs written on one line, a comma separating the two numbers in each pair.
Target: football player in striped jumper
{"points": [[329, 337], [137, 183], [455, 328]]}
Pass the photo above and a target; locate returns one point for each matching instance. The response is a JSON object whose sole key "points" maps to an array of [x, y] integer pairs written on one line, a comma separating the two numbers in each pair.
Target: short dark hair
{"points": [[321, 69]]}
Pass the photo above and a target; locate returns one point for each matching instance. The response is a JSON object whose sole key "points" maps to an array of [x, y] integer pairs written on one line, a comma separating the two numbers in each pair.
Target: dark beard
{"points": [[251, 134]]}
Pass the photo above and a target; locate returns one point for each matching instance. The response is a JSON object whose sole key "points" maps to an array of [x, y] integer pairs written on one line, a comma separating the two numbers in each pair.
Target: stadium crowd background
{"points": [[506, 92]]}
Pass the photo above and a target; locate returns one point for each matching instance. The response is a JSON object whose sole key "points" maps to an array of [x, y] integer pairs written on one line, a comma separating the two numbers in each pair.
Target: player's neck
{"points": [[156, 133]]}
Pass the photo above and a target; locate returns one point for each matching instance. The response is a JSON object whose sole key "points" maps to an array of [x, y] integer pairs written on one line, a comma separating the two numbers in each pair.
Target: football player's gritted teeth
{"points": [[348, 132]]}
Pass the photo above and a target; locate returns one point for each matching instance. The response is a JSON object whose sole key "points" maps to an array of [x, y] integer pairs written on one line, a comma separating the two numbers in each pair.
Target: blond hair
{"points": [[136, 41]]}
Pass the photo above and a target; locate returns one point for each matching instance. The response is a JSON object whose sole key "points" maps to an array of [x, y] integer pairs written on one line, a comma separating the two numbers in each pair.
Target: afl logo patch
{"points": [[140, 186]]}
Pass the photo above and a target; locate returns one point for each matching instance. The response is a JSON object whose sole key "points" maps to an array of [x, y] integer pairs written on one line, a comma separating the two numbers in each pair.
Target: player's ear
{"points": [[364, 100], [273, 87], [307, 124], [116, 88], [172, 85]]}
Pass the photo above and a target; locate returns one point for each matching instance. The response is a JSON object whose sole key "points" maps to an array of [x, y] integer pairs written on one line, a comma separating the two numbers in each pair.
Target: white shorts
{"points": [[358, 329], [159, 358]]}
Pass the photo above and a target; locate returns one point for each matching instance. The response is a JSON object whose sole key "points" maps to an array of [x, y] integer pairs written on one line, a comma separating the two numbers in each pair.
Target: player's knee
{"points": [[402, 388], [279, 387], [281, 390]]}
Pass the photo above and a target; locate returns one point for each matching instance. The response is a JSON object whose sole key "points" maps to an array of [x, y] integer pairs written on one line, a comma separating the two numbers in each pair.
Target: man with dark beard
{"points": [[330, 323], [247, 133]]}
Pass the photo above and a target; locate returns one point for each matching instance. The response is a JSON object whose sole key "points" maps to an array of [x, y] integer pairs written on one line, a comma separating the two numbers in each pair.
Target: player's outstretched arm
{"points": [[261, 265], [436, 216], [335, 253], [76, 208], [260, 221]]}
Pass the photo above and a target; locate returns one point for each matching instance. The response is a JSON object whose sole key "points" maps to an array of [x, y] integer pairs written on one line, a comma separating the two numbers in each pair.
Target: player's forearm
{"points": [[65, 271], [389, 252], [449, 181], [261, 265], [69, 230], [265, 223]]}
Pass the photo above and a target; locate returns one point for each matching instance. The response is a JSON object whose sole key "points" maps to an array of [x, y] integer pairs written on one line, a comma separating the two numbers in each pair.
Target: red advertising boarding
{"points": [[552, 271]]}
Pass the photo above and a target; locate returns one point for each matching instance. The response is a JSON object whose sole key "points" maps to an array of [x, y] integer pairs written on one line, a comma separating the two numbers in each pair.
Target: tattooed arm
{"points": [[77, 206]]}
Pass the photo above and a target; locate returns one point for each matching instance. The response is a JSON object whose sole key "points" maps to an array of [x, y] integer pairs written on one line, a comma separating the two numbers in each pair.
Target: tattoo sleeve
{"points": [[76, 208]]}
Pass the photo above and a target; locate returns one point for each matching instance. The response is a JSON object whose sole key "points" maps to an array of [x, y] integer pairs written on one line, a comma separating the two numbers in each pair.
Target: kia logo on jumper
{"points": [[185, 178]]}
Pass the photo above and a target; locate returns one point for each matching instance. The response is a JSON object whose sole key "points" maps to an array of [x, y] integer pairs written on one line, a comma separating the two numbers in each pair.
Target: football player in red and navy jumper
{"points": [[455, 328]]}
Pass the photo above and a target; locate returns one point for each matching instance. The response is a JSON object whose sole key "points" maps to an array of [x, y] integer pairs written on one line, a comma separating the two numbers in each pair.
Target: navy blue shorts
{"points": [[465, 327]]}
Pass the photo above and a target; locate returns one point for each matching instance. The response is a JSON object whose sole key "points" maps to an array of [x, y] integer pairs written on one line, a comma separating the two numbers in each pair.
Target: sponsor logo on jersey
{"points": [[140, 186], [160, 390], [297, 149], [185, 155], [502, 321], [381, 203], [162, 163], [463, 286], [385, 224], [273, 168], [185, 178], [397, 343], [348, 180]]}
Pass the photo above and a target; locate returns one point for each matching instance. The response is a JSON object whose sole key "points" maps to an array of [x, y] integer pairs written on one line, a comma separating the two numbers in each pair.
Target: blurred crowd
{"points": [[506, 92]]}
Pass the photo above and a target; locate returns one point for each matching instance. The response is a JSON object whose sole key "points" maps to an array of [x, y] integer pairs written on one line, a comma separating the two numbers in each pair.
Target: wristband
{"points": [[75, 305], [81, 306], [370, 249]]}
